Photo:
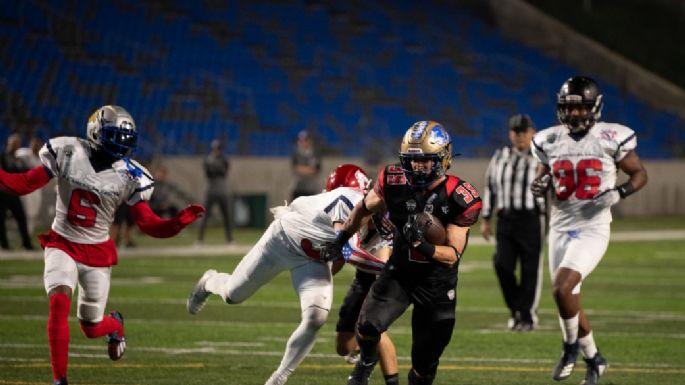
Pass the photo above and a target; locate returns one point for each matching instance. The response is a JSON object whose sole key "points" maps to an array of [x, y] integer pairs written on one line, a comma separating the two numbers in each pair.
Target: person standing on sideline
{"points": [[32, 202], [579, 161], [520, 223], [292, 242], [216, 168], [306, 166], [94, 176], [10, 163]]}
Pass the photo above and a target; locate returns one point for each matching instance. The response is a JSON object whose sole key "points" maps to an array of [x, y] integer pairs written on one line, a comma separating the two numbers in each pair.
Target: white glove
{"points": [[601, 201]]}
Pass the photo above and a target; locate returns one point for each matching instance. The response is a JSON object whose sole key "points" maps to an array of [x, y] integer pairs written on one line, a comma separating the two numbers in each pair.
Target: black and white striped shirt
{"points": [[507, 183]]}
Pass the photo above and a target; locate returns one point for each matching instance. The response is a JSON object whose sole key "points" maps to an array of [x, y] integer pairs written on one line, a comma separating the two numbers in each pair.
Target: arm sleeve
{"points": [[151, 224], [25, 182]]}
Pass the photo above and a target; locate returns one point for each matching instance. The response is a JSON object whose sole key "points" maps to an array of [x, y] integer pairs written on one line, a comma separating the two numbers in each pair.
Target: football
{"points": [[433, 230]]}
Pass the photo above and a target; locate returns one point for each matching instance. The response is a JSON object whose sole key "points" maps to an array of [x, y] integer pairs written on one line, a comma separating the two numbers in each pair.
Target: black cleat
{"points": [[361, 373], [595, 367], [567, 362]]}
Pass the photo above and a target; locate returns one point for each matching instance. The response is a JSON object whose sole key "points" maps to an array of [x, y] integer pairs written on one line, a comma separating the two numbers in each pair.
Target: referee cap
{"points": [[520, 123]]}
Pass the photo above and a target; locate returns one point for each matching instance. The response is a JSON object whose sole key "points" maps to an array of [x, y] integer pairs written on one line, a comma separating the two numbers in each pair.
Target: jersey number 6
{"points": [[81, 213]]}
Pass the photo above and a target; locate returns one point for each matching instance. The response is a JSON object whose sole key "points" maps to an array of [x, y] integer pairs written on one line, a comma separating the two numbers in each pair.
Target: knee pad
{"points": [[367, 330], [314, 317]]}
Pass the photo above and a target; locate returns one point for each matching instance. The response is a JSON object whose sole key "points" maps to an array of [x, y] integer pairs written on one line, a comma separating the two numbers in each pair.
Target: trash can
{"points": [[249, 210]]}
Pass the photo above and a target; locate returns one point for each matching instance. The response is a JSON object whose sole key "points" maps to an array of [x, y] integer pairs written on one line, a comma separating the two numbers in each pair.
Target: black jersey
{"points": [[452, 201]]}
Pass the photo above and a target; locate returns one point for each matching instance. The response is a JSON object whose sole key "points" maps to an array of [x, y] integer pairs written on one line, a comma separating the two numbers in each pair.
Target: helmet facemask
{"points": [[111, 130], [582, 93]]}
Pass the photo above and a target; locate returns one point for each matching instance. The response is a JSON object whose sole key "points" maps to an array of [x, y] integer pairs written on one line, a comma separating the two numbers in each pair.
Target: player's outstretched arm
{"points": [[151, 224], [24, 182]]}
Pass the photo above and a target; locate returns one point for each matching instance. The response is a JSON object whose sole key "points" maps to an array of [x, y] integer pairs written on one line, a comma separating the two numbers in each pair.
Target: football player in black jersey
{"points": [[418, 273]]}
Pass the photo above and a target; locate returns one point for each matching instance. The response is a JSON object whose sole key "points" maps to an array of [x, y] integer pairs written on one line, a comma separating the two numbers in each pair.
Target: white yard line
{"points": [[237, 249]]}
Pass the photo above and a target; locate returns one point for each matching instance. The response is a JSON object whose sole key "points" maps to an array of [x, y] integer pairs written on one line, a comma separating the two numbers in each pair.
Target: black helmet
{"points": [[579, 90]]}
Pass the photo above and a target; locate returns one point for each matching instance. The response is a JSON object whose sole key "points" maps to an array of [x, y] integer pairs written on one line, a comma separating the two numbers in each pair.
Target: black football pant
{"points": [[432, 322], [519, 239], [13, 204], [222, 202]]}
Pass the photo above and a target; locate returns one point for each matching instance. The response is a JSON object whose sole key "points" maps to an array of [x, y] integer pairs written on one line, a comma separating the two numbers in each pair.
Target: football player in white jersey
{"points": [[94, 176], [292, 242], [579, 160]]}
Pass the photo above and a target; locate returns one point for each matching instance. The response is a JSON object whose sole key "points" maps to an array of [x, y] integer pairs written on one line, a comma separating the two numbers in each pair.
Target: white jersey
{"points": [[308, 220], [87, 200], [581, 169]]}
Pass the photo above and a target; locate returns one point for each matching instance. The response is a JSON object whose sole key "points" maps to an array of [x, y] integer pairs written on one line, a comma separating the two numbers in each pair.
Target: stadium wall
{"points": [[664, 193]]}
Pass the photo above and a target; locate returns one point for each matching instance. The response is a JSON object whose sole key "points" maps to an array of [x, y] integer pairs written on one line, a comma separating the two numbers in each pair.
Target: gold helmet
{"points": [[425, 139]]}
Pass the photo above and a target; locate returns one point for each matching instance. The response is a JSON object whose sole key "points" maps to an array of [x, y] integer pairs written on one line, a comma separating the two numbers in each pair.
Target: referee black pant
{"points": [[519, 239]]}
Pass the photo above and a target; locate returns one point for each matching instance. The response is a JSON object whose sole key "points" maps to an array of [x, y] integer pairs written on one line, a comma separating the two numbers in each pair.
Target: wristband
{"points": [[456, 252], [426, 249], [341, 237], [625, 189]]}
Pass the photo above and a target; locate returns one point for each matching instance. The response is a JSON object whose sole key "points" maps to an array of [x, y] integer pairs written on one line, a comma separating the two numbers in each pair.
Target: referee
{"points": [[520, 223]]}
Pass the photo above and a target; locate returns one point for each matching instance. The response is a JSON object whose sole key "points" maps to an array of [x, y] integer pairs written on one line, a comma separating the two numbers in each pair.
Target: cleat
{"points": [[567, 362], [361, 373], [198, 296], [523, 326], [277, 379], [352, 357], [60, 381], [116, 344], [595, 368]]}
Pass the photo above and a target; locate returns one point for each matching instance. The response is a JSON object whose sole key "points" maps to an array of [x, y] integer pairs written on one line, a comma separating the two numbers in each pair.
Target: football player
{"points": [[368, 251], [293, 241], [579, 159], [418, 273], [94, 176]]}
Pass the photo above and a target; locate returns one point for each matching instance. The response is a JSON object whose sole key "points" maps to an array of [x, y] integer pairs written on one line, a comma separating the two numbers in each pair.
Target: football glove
{"points": [[601, 201], [331, 251], [412, 230], [189, 214], [540, 185]]}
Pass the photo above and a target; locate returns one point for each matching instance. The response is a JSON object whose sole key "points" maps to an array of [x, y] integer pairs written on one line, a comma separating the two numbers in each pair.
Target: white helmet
{"points": [[112, 130]]}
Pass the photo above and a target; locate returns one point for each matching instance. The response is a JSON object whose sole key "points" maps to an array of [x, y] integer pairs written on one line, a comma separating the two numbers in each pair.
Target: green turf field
{"points": [[634, 300]]}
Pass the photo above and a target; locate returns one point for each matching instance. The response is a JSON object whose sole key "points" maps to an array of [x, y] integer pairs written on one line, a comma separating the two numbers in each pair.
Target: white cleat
{"points": [[277, 379], [198, 296]]}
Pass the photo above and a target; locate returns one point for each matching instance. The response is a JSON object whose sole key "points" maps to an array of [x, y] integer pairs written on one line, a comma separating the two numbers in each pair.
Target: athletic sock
{"points": [[58, 334], [108, 325], [569, 328], [303, 338], [587, 346]]}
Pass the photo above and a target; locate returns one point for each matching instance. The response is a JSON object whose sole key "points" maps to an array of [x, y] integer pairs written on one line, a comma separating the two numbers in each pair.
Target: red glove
{"points": [[152, 225], [189, 214]]}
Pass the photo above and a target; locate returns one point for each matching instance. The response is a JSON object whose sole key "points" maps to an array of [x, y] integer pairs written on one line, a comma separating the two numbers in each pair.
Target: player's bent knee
{"points": [[314, 317], [367, 330]]}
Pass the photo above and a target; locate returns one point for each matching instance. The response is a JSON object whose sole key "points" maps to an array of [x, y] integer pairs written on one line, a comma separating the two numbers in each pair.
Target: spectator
{"points": [[306, 165], [161, 201], [32, 201], [216, 168], [10, 163], [121, 230], [520, 223]]}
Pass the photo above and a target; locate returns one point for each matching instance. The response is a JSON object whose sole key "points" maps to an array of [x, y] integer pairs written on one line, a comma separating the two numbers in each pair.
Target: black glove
{"points": [[331, 251], [412, 231], [540, 185]]}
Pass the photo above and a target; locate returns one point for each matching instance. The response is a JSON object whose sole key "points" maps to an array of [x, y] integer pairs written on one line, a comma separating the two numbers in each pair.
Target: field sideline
{"points": [[634, 300]]}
